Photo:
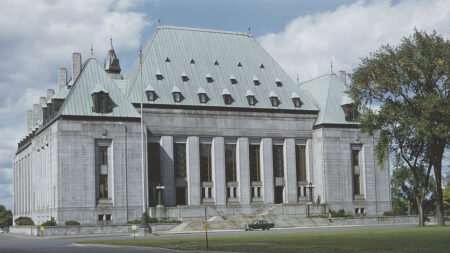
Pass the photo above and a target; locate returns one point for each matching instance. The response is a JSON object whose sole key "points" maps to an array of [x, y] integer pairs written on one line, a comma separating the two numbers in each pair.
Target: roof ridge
{"points": [[203, 30], [317, 77]]}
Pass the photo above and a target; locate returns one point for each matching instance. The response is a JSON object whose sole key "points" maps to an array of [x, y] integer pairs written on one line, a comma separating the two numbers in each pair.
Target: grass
{"points": [[428, 239]]}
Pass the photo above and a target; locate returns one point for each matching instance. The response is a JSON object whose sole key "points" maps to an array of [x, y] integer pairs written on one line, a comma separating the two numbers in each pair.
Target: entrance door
{"points": [[181, 196], [278, 194]]}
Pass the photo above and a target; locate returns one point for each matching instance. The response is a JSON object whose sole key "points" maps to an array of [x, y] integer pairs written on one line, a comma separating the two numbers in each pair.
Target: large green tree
{"points": [[5, 217], [409, 83]]}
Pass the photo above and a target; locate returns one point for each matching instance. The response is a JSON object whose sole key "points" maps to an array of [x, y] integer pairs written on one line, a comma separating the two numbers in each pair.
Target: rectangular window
{"points": [[356, 172], [205, 162], [103, 186], [102, 148], [180, 159], [300, 162], [103, 153], [255, 166], [278, 164], [230, 162], [154, 168]]}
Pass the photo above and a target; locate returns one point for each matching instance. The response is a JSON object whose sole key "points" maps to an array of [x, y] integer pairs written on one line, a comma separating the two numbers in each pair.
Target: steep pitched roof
{"points": [[94, 78], [328, 92], [174, 50]]}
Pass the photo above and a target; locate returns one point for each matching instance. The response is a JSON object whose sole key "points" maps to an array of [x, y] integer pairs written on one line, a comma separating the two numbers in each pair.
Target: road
{"points": [[24, 244]]}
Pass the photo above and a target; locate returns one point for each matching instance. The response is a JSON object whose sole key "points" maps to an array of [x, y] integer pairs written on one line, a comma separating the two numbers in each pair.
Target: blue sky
{"points": [[303, 36]]}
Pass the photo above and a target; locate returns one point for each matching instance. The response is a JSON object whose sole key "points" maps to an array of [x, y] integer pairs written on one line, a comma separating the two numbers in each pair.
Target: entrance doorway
{"points": [[278, 194], [181, 196]]}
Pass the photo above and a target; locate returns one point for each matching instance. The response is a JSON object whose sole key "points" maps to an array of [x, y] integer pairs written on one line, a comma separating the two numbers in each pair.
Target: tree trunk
{"points": [[419, 201], [437, 154]]}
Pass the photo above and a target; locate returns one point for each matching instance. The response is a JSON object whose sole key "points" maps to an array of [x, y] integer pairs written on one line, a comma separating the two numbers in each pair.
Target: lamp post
{"points": [[310, 187], [159, 189]]}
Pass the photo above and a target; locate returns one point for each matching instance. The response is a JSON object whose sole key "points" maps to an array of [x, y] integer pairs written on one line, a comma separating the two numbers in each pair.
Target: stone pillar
{"points": [[62, 78], [193, 170], [290, 173], [243, 172], [76, 66], [309, 161], [167, 171], [29, 119], [218, 170], [35, 113], [267, 170]]}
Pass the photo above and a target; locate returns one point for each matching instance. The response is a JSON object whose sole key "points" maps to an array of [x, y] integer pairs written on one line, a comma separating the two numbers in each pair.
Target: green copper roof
{"points": [[94, 79], [210, 60], [328, 92]]}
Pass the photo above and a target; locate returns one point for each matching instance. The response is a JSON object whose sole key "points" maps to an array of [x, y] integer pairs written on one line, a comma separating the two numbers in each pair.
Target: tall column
{"points": [[267, 170], [309, 161], [243, 170], [167, 173], [193, 170], [218, 170], [290, 174]]}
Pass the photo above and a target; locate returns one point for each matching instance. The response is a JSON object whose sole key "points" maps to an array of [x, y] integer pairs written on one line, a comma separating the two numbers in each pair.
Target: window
{"points": [[192, 61], [278, 164], [261, 66], [102, 148], [274, 99], [297, 102], [205, 162], [255, 166], [159, 76], [216, 63], [278, 82], [300, 162], [100, 217], [108, 217], [209, 78], [202, 98], [230, 163], [180, 159], [176, 93], [151, 95], [256, 81], [251, 100], [154, 168], [100, 101], [233, 80], [227, 99], [184, 77], [167, 59], [239, 64], [356, 172], [351, 112]]}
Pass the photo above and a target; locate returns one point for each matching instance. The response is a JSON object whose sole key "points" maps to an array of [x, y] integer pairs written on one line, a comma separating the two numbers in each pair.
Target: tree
{"points": [[5, 217], [410, 84]]}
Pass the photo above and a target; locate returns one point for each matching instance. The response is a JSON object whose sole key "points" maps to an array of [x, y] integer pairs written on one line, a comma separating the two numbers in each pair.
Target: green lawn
{"points": [[429, 239]]}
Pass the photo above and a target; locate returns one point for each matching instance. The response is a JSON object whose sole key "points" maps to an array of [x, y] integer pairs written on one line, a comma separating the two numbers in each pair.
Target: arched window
{"points": [[100, 100]]}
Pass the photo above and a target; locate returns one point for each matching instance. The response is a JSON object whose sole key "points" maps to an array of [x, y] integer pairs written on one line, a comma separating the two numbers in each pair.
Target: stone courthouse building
{"points": [[226, 128]]}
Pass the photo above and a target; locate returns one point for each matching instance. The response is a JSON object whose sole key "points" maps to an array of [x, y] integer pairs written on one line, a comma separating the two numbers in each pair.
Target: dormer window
{"points": [[227, 99], [184, 77], [209, 78], [176, 93], [351, 112], [233, 80], [150, 92], [274, 99], [278, 82], [100, 99], [256, 81], [216, 63], [159, 76], [202, 97], [239, 64], [192, 61], [167, 59], [296, 100], [251, 99], [261, 66]]}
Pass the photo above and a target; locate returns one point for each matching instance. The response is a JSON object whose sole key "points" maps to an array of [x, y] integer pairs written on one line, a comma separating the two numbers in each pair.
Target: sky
{"points": [[38, 37]]}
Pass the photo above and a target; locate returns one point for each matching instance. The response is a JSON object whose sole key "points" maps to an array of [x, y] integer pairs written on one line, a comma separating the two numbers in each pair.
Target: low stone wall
{"points": [[86, 229]]}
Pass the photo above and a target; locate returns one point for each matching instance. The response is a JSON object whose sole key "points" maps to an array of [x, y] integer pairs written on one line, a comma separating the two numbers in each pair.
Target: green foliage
{"points": [[5, 217], [49, 223], [71, 223], [340, 213], [137, 221], [170, 221], [390, 213], [152, 220], [24, 221]]}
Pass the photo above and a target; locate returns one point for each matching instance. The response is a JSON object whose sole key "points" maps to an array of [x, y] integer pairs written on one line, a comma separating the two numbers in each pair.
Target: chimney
{"points": [[76, 66], [343, 77], [42, 104], [50, 93], [62, 78], [35, 113], [29, 119]]}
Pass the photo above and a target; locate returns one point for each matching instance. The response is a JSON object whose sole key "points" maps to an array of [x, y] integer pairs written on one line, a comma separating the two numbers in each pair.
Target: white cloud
{"points": [[38, 37], [309, 43]]}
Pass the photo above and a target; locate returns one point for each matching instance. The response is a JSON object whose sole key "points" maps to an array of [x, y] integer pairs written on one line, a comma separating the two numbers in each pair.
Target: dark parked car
{"points": [[258, 224]]}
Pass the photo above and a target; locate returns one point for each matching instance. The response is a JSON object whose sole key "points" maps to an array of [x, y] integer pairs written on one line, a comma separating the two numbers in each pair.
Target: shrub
{"points": [[71, 223], [152, 220], [137, 221], [170, 221], [340, 213], [50, 222], [24, 221]]}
